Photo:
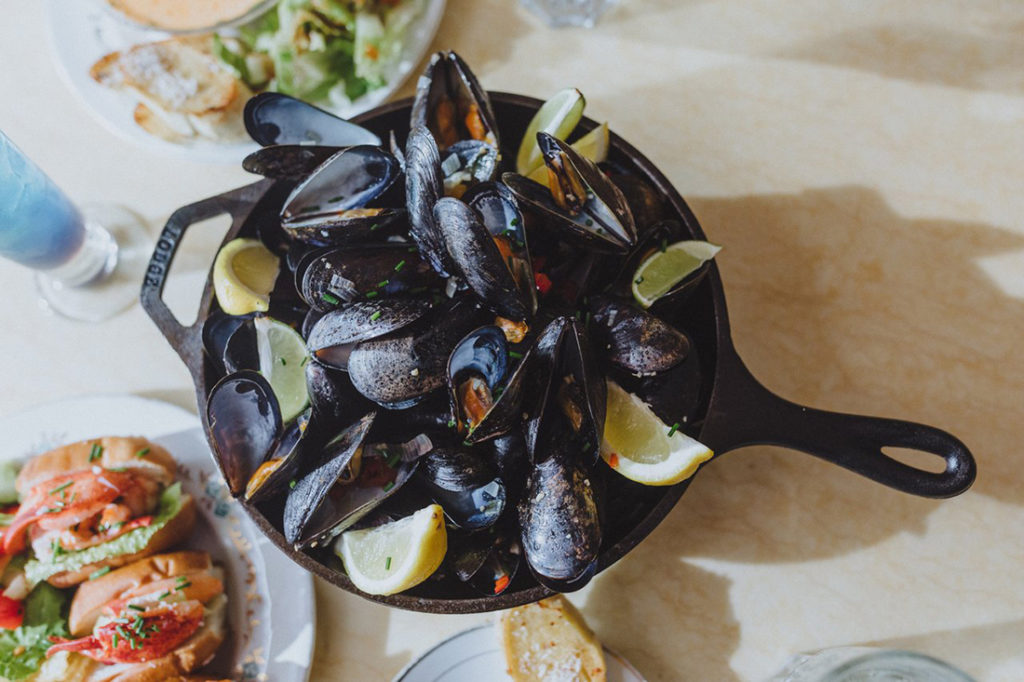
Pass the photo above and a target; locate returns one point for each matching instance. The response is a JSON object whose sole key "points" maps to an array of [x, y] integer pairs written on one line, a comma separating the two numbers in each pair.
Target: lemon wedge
{"points": [[593, 146], [283, 357], [243, 276], [396, 556], [557, 117], [642, 448], [664, 269]]}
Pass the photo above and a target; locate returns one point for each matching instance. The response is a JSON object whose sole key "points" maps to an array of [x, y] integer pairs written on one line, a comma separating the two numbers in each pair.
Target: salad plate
{"points": [[267, 641], [476, 654], [83, 31]]}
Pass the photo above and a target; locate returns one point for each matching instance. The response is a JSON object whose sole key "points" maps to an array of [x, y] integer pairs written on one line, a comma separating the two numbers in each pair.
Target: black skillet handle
{"points": [[238, 203], [743, 412]]}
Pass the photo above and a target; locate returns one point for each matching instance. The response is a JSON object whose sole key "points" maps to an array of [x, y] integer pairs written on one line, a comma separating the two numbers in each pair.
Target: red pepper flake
{"points": [[543, 283], [613, 460], [500, 584], [372, 52]]}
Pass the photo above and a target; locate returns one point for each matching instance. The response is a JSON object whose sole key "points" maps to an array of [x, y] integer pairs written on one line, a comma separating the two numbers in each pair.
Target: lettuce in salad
{"points": [[331, 51]]}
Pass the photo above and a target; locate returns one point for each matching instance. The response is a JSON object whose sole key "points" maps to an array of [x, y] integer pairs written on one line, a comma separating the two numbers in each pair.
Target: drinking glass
{"points": [[89, 261], [559, 13], [864, 664]]}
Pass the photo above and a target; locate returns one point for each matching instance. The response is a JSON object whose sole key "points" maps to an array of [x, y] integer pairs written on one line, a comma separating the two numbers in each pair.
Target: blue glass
{"points": [[39, 226]]}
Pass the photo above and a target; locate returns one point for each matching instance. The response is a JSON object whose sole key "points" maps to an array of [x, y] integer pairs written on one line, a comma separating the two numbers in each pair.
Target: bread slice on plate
{"points": [[550, 642], [184, 91]]}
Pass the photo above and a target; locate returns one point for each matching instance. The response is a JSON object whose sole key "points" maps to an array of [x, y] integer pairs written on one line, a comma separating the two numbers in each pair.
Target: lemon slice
{"points": [[558, 117], [664, 269], [642, 448], [243, 276], [283, 357], [593, 146], [396, 556]]}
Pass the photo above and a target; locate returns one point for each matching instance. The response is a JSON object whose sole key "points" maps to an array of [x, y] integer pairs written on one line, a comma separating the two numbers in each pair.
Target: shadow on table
{"points": [[812, 338]]}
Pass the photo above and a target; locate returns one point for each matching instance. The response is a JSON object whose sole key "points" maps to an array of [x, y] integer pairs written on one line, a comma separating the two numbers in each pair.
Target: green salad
{"points": [[330, 51], [23, 649]]}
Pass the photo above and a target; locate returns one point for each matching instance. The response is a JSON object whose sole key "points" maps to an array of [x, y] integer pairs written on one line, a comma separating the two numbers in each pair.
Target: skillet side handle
{"points": [[187, 340], [743, 412]]}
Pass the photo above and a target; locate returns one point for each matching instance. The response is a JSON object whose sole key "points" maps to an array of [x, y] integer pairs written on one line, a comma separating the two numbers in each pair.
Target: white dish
{"points": [[272, 614], [475, 655], [82, 31]]}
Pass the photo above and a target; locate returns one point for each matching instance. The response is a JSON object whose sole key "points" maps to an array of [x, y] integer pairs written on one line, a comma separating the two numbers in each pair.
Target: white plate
{"points": [[475, 655], [266, 590], [82, 31]]}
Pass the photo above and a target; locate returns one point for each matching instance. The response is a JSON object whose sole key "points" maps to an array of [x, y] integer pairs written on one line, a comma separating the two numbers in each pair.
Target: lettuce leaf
{"points": [[171, 501], [23, 649]]}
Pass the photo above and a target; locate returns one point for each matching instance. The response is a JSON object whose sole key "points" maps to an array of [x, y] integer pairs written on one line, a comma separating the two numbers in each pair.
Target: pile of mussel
{"points": [[461, 322]]}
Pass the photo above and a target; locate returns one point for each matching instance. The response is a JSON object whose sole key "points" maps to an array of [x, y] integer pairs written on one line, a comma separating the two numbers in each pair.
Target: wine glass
{"points": [[89, 261], [562, 13]]}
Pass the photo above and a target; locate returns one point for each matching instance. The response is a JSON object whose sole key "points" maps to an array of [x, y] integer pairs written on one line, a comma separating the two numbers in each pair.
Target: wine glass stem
{"points": [[95, 259]]}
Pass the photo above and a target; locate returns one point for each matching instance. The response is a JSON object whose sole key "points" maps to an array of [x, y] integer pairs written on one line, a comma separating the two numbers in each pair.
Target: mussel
{"points": [[560, 524], [451, 103], [487, 562], [273, 476], [245, 423], [581, 202], [635, 340], [424, 185], [272, 118], [342, 275], [335, 203], [470, 492]]}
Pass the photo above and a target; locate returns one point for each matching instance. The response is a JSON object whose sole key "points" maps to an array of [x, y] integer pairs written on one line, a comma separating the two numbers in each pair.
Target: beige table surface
{"points": [[862, 163]]}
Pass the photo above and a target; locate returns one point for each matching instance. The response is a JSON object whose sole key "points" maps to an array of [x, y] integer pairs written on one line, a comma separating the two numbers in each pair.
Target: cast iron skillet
{"points": [[737, 409]]}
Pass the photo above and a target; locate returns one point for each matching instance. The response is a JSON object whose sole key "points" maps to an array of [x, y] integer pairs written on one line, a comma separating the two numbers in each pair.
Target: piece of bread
{"points": [[550, 640], [175, 531], [184, 90], [93, 595], [135, 455]]}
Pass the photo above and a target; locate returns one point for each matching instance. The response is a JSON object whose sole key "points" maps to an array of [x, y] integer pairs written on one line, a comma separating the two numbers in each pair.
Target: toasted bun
{"points": [[117, 452], [550, 640], [176, 530], [93, 595], [187, 658]]}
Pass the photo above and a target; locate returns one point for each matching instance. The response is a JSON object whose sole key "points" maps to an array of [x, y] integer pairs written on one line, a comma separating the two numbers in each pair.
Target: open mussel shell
{"points": [[467, 163], [451, 103], [244, 420], [333, 398], [478, 258], [287, 161], [424, 185], [487, 562], [582, 202], [333, 337], [310, 491], [570, 393], [217, 333], [273, 476], [500, 214], [634, 339], [560, 524], [647, 204], [383, 471], [333, 204], [464, 484], [341, 275], [272, 118]]}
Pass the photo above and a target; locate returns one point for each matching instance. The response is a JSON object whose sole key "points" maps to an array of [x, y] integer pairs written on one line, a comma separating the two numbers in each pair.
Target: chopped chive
{"points": [[451, 423], [136, 607], [664, 245], [590, 223], [586, 446], [283, 361], [304, 361], [181, 579], [142, 453], [96, 452], [291, 484], [400, 265], [375, 316], [672, 431], [330, 298], [310, 208], [374, 226], [183, 586], [334, 200], [383, 283], [114, 641], [515, 355], [387, 564], [61, 487], [514, 222], [638, 280], [413, 249], [163, 596], [372, 294], [389, 486], [393, 459]]}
